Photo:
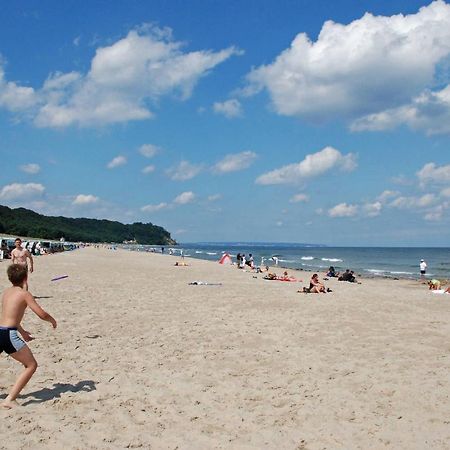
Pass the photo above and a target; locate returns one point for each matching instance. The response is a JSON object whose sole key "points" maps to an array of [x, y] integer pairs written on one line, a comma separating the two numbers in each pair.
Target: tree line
{"points": [[24, 222]]}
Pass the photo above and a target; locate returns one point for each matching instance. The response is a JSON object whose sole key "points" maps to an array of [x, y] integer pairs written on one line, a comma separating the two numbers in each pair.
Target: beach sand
{"points": [[141, 359]]}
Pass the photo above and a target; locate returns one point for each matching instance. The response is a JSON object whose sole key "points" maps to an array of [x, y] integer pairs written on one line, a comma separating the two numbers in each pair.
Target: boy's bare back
{"points": [[14, 302]]}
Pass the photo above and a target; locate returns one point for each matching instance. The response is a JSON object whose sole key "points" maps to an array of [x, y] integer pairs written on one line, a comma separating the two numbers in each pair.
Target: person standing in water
{"points": [[423, 268]]}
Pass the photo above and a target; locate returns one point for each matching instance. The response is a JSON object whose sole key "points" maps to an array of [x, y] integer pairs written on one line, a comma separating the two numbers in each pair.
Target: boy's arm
{"points": [[31, 302], [25, 334]]}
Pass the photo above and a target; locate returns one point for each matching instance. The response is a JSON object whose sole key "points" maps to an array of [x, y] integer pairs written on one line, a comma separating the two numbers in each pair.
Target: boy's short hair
{"points": [[17, 274]]}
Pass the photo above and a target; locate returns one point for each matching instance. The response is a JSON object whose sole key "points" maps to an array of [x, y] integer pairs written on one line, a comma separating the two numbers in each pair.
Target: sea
{"points": [[388, 262]]}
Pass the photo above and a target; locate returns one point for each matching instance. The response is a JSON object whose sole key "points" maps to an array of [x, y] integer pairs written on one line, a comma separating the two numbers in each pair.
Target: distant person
{"points": [[14, 303], [238, 260], [162, 250], [243, 260], [315, 286], [332, 272], [275, 260], [348, 275], [423, 268], [19, 256], [250, 261]]}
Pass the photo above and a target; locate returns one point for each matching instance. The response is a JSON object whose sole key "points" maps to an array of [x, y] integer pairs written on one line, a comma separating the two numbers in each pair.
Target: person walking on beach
{"points": [[20, 255], [14, 303], [423, 268]]}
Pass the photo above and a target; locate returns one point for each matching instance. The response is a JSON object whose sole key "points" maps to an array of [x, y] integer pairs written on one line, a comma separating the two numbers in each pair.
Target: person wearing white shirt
{"points": [[423, 267]]}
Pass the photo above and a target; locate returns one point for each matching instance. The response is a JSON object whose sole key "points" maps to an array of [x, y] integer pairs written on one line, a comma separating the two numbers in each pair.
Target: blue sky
{"points": [[293, 121]]}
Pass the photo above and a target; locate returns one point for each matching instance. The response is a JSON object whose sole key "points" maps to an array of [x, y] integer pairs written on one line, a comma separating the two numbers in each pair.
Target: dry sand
{"points": [[142, 359]]}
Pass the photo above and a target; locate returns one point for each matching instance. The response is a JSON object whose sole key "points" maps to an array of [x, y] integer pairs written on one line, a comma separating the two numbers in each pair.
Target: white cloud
{"points": [[431, 173], [148, 169], [31, 168], [279, 223], [18, 191], [82, 199], [435, 214], [423, 201], [184, 171], [386, 195], [343, 210], [371, 65], [117, 162], [214, 197], [299, 198], [229, 108], [235, 162], [373, 209], [14, 97], [313, 165], [149, 150], [123, 79], [429, 112], [184, 198], [154, 208]]}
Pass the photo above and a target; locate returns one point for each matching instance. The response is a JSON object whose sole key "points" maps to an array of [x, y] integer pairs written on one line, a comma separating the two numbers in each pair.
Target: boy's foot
{"points": [[9, 404]]}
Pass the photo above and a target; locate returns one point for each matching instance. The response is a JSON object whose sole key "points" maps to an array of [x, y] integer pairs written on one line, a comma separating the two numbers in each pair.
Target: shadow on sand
{"points": [[46, 394]]}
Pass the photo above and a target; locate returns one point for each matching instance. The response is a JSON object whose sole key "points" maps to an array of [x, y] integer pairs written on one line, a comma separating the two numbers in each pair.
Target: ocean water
{"points": [[366, 261]]}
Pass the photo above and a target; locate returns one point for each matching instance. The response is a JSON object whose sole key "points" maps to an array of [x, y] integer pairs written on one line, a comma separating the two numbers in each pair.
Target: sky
{"points": [[274, 121]]}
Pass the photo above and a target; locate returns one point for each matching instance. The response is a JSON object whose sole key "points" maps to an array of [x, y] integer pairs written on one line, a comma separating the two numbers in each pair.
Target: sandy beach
{"points": [[141, 359]]}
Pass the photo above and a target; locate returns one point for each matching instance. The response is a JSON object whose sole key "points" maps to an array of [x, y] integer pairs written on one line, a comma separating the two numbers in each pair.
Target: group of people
{"points": [[242, 261], [13, 336]]}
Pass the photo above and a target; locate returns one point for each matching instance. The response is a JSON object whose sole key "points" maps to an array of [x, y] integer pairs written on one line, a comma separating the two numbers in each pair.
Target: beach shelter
{"points": [[226, 259]]}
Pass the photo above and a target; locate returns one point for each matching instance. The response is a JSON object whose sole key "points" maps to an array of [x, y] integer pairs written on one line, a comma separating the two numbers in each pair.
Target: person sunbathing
{"points": [[434, 285]]}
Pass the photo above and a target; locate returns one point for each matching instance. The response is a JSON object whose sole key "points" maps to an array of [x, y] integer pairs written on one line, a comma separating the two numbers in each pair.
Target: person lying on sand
{"points": [[434, 285], [180, 264], [14, 303]]}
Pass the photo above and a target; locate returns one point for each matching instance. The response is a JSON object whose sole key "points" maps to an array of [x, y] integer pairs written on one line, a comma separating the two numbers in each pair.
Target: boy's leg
{"points": [[24, 356]]}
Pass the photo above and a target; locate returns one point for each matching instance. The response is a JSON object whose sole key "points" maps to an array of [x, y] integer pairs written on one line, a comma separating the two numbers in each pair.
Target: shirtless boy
{"points": [[19, 256], [14, 302]]}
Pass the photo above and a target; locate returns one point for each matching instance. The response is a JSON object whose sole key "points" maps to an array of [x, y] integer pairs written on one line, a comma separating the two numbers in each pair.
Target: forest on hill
{"points": [[24, 222]]}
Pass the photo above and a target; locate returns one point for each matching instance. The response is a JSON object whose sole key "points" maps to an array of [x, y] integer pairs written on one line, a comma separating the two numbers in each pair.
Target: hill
{"points": [[24, 222]]}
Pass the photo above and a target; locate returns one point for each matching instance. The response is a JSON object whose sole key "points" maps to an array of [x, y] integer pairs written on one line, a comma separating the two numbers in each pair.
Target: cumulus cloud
{"points": [[82, 199], [431, 173], [372, 209], [412, 202], [313, 165], [343, 210], [148, 169], [428, 112], [299, 198], [154, 208], [371, 65], [117, 162], [235, 162], [184, 171], [123, 80], [31, 168], [229, 108], [149, 150], [184, 198], [18, 191], [14, 97], [386, 195]]}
